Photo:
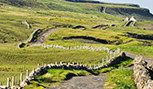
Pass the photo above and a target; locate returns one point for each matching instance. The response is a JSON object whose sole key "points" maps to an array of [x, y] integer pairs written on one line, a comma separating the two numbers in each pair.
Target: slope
{"points": [[85, 6]]}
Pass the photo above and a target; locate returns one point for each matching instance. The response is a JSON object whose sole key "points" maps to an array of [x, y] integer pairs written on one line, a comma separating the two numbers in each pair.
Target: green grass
{"points": [[13, 59], [120, 79], [54, 76], [63, 13]]}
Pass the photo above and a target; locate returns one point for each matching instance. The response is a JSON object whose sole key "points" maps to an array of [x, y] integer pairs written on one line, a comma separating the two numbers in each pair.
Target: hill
{"points": [[78, 24], [85, 6]]}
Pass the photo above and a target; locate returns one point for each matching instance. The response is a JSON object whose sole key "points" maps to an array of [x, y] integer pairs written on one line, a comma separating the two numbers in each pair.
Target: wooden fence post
{"points": [[94, 66], [106, 58], [110, 56], [98, 64], [103, 60], [38, 65], [90, 66], [118, 50], [33, 69], [114, 53], [60, 63], [56, 63], [21, 77], [13, 81], [27, 73], [8, 82], [77, 63], [23, 68]]}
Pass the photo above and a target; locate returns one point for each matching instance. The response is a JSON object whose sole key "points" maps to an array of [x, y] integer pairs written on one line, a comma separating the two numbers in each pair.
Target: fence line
{"points": [[105, 62], [78, 47]]}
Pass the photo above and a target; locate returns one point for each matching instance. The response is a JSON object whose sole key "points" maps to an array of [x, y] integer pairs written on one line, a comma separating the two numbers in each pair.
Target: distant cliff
{"points": [[85, 6], [139, 13]]}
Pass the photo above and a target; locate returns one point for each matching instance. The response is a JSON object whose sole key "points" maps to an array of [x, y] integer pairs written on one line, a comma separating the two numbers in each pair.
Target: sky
{"points": [[143, 3]]}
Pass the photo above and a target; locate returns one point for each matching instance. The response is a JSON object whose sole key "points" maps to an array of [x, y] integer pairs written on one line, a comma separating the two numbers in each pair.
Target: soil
{"points": [[83, 82]]}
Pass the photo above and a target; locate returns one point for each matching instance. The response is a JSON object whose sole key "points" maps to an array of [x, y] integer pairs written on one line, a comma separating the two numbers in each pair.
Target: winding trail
{"points": [[85, 82], [44, 35], [131, 55]]}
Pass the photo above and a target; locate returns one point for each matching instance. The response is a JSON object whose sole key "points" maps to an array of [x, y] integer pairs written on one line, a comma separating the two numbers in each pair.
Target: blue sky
{"points": [[143, 3]]}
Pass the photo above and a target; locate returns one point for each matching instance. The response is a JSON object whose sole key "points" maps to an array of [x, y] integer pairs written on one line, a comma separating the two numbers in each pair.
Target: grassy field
{"points": [[65, 15], [120, 79], [14, 60], [53, 77]]}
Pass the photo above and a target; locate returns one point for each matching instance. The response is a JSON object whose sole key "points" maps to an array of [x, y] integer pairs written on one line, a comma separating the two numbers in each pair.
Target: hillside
{"points": [[85, 6], [81, 32]]}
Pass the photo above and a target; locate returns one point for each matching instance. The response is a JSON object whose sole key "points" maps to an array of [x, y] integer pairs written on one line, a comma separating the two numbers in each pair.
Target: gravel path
{"points": [[131, 55], [83, 82], [44, 35]]}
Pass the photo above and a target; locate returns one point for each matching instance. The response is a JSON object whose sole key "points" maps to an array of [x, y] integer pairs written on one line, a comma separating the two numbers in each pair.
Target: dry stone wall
{"points": [[40, 70], [79, 47], [143, 73], [43, 69], [29, 39]]}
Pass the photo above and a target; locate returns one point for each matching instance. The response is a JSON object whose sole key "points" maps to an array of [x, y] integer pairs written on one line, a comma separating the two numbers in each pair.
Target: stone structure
{"points": [[28, 25], [40, 70], [133, 19], [79, 47], [130, 21], [126, 19], [142, 74], [28, 40]]}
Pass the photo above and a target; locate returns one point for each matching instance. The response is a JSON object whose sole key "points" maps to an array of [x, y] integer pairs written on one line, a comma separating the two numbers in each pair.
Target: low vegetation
{"points": [[120, 79], [47, 14]]}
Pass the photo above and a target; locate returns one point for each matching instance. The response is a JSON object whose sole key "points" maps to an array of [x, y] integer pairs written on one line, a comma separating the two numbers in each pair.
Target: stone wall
{"points": [[79, 47], [40, 70], [143, 74], [29, 39]]}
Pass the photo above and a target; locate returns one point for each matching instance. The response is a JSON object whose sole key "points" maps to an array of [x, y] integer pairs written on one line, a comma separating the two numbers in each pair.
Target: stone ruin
{"points": [[126, 19], [130, 21], [133, 19]]}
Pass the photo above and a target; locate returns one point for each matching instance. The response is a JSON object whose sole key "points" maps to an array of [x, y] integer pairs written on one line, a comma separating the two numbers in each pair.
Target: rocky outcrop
{"points": [[143, 73]]}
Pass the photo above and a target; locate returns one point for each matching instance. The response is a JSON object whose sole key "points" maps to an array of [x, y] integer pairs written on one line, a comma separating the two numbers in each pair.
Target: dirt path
{"points": [[131, 55], [83, 82], [44, 35]]}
